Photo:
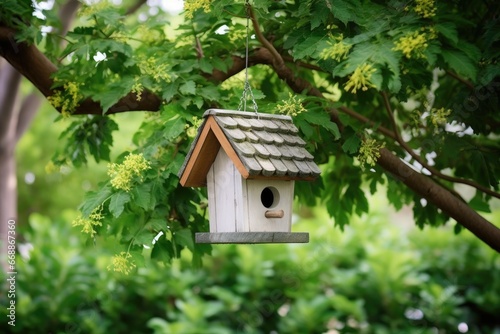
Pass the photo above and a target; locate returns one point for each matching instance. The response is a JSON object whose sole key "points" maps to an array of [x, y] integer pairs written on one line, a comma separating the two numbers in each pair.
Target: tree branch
{"points": [[441, 198], [132, 9], [424, 163], [383, 130], [459, 78]]}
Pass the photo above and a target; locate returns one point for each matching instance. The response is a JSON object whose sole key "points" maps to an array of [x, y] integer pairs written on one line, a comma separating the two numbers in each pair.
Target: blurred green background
{"points": [[380, 275]]}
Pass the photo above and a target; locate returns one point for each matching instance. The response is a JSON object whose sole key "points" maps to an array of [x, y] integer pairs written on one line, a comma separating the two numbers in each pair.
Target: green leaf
{"points": [[449, 31], [210, 93], [117, 203], [479, 204], [170, 91], [142, 196], [205, 65], [114, 92], [342, 10], [157, 224], [309, 47], [143, 237], [184, 237], [188, 88], [460, 63], [163, 250], [351, 144], [174, 128], [95, 199]]}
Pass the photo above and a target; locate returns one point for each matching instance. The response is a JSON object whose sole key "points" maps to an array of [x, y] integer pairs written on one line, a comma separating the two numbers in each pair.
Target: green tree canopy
{"points": [[399, 94]]}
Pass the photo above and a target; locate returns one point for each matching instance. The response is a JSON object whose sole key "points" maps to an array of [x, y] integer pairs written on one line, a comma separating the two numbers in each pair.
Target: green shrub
{"points": [[371, 278]]}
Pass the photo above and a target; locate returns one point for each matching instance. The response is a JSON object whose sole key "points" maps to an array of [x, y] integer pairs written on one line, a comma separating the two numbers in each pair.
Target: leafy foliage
{"points": [[385, 67], [367, 279]]}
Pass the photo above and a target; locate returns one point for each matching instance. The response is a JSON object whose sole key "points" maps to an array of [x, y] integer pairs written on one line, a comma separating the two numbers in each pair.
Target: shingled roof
{"points": [[260, 145]]}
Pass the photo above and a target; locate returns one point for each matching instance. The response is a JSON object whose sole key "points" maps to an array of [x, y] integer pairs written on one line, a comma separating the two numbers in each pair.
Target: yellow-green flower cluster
{"points": [[88, 224], [369, 151], [121, 263], [50, 167], [151, 67], [123, 174], [193, 129], [237, 35], [360, 78], [425, 8], [67, 99], [292, 107], [94, 7], [338, 49], [137, 89], [439, 116], [191, 6], [413, 43]]}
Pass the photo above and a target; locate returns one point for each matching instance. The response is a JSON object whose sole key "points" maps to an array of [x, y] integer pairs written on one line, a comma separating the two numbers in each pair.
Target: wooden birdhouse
{"points": [[248, 162]]}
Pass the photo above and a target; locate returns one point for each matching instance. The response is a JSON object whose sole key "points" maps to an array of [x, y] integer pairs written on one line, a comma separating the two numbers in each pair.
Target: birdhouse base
{"points": [[252, 237]]}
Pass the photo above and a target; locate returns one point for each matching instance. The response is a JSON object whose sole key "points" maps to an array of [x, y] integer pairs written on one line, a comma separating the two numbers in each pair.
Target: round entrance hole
{"points": [[270, 197]]}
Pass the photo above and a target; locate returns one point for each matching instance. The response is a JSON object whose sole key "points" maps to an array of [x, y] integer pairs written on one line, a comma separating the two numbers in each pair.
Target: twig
{"points": [[263, 40], [302, 64], [424, 163], [459, 78], [385, 131]]}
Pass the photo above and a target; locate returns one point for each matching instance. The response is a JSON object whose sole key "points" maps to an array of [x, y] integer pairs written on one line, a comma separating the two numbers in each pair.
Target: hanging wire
{"points": [[247, 89]]}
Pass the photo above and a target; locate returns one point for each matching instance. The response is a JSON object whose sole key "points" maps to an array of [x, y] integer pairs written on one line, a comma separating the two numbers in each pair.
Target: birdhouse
{"points": [[248, 162]]}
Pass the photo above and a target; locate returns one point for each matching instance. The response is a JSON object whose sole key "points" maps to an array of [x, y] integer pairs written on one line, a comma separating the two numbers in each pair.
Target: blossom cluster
{"points": [[121, 263], [67, 99], [292, 107], [425, 8], [193, 129], [88, 224], [191, 6], [439, 116], [369, 151], [360, 78], [412, 43], [94, 7], [137, 89], [337, 50], [152, 68], [122, 174]]}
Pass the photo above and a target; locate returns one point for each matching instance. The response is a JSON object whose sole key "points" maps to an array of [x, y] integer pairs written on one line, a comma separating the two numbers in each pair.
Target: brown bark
{"points": [[442, 198]]}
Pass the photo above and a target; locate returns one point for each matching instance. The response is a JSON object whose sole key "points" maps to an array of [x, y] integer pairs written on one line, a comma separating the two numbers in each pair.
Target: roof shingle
{"points": [[268, 141]]}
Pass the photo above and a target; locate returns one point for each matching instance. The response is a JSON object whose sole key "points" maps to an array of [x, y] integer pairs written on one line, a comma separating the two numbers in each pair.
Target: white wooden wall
{"points": [[226, 196], [256, 210]]}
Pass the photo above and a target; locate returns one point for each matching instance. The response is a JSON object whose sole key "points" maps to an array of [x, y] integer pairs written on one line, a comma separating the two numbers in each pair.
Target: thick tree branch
{"points": [[40, 70], [424, 163], [441, 198]]}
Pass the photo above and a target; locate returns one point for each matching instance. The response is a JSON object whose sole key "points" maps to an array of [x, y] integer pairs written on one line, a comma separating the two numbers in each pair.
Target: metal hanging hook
{"points": [[247, 89]]}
